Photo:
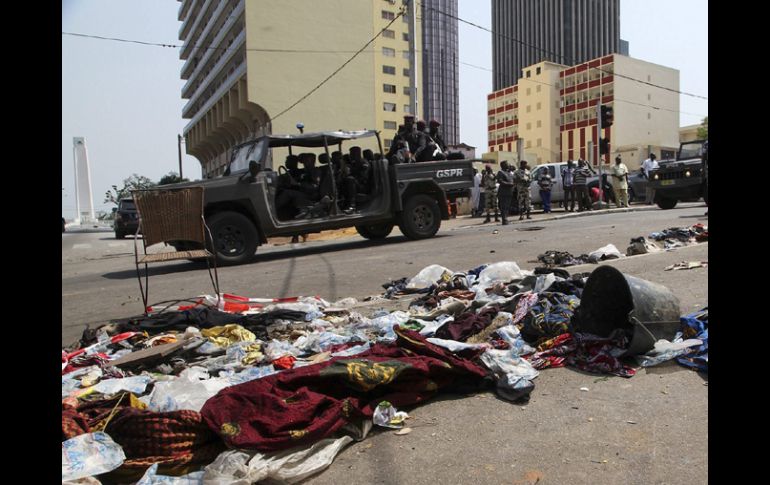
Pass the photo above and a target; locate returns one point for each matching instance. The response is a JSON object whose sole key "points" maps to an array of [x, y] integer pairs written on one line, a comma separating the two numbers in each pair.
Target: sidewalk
{"points": [[539, 216]]}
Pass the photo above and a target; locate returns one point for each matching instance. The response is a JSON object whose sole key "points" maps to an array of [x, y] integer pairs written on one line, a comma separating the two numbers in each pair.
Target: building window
{"points": [[538, 71], [539, 142], [539, 123], [407, 91], [405, 54], [388, 52], [389, 106], [537, 88], [390, 125], [529, 91], [405, 36], [500, 148], [529, 144], [528, 74], [406, 109], [388, 34], [389, 88], [388, 143], [529, 108], [529, 126], [389, 69], [406, 71], [388, 15], [405, 18]]}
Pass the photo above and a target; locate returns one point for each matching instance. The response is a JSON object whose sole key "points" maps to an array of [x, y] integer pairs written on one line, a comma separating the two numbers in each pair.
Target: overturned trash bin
{"points": [[646, 311]]}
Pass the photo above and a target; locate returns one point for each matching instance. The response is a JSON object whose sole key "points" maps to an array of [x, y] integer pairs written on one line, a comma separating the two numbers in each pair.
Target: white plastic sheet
{"points": [[190, 391], [606, 252], [427, 277], [290, 466], [151, 477], [505, 363], [504, 271], [455, 346], [135, 384]]}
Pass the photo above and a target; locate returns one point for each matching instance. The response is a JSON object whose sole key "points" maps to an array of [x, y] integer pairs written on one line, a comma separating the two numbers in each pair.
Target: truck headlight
{"points": [[655, 177], [687, 173]]}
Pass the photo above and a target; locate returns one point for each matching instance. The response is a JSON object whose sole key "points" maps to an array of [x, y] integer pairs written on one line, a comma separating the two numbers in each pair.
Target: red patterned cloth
{"points": [[306, 404], [598, 354], [553, 352]]}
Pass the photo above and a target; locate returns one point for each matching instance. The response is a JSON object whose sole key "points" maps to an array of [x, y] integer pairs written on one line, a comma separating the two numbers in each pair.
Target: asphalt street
{"points": [[651, 428]]}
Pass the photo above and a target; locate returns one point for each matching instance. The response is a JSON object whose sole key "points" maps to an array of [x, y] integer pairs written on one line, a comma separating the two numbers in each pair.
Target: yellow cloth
{"points": [[226, 335]]}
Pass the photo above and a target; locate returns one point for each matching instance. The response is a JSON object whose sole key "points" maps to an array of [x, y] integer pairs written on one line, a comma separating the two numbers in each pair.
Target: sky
{"points": [[125, 98]]}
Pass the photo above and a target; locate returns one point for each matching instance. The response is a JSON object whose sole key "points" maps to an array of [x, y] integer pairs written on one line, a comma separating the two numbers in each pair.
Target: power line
{"points": [[560, 55]]}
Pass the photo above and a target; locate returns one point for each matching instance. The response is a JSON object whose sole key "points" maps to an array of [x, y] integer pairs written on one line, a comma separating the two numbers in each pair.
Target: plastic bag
{"points": [[386, 415], [151, 477], [504, 271], [134, 384], [190, 391], [665, 350], [89, 454], [512, 335], [277, 349], [606, 252], [505, 363], [428, 276], [345, 303]]}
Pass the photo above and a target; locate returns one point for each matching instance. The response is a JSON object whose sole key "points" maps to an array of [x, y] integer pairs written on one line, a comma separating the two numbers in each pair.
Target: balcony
{"points": [[191, 17], [190, 69], [184, 9], [203, 17], [196, 114], [239, 42], [223, 18]]}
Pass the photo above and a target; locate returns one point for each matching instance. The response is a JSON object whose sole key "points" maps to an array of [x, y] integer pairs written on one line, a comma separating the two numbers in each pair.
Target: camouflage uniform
{"points": [[522, 179], [489, 183]]}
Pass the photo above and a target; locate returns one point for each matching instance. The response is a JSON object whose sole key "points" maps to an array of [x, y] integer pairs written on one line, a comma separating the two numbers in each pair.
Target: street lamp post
{"points": [[179, 147]]}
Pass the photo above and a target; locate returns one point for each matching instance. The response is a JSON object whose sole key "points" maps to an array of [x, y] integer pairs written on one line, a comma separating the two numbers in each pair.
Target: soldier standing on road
{"points": [[567, 177], [620, 182], [522, 178], [505, 191], [647, 166], [580, 178], [490, 192]]}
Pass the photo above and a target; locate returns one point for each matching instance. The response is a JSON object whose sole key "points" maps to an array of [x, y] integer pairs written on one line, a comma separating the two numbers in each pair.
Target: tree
{"points": [[134, 182], [172, 178], [703, 129]]}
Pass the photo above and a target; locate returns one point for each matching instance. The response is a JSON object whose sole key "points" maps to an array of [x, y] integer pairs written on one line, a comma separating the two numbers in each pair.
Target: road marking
{"points": [[81, 246]]}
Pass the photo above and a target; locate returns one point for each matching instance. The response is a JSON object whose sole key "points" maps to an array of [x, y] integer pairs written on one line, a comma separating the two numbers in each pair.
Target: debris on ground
{"points": [[687, 265], [235, 388]]}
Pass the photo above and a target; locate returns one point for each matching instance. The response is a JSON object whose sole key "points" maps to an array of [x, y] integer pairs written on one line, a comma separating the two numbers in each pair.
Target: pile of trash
{"points": [[553, 258], [669, 239], [238, 390]]}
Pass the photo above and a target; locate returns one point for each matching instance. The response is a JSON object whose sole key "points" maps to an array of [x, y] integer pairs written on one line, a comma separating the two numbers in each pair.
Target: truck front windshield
{"points": [[690, 150], [243, 154]]}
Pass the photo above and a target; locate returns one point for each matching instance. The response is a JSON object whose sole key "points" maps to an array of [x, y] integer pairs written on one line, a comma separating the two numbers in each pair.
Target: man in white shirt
{"points": [[647, 166], [620, 182]]}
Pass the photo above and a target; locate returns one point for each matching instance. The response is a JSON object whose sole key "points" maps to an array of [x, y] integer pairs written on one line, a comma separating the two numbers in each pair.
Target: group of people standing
{"points": [[417, 142], [498, 191]]}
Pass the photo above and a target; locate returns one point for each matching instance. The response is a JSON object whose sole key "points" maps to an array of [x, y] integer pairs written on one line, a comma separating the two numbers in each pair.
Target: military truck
{"points": [[685, 178], [241, 212]]}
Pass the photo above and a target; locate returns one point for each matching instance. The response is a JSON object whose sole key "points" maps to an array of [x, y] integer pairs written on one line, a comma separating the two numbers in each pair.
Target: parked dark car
{"points": [[126, 218]]}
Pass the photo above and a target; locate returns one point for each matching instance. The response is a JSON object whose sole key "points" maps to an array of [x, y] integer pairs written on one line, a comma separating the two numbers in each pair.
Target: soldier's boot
{"points": [[497, 219], [488, 219]]}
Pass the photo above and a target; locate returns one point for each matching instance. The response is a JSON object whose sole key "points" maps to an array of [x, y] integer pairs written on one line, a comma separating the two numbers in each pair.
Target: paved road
{"points": [[562, 436]]}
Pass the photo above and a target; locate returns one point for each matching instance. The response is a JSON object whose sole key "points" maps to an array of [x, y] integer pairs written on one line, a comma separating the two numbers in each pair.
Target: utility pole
{"points": [[599, 135], [411, 12], [179, 147]]}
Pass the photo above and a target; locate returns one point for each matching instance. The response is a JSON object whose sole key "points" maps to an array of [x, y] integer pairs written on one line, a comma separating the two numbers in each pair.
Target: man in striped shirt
{"points": [[580, 177]]}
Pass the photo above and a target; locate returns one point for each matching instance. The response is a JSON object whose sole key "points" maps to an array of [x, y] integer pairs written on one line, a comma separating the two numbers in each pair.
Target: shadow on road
{"points": [[274, 255]]}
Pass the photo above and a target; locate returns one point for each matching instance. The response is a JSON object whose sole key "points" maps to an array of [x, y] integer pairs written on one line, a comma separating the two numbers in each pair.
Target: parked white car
{"points": [[557, 188]]}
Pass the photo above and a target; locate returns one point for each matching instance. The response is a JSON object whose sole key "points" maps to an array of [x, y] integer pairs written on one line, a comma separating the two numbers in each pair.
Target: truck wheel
{"points": [[235, 237], [421, 217], [375, 231], [665, 203]]}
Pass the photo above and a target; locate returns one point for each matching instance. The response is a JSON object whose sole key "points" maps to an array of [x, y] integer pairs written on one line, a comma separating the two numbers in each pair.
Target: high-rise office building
{"points": [[247, 61], [561, 31], [440, 66]]}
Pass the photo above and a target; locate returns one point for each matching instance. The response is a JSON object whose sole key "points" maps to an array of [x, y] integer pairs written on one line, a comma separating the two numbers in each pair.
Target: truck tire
{"points": [[666, 203], [421, 217], [235, 237], [375, 231]]}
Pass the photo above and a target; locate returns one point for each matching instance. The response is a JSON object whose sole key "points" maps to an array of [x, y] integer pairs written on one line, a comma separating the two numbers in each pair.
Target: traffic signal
{"points": [[607, 116], [604, 145]]}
